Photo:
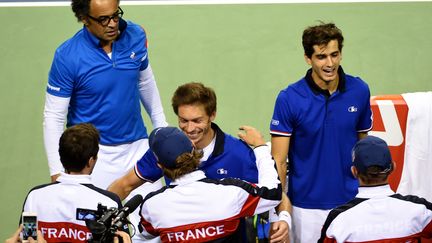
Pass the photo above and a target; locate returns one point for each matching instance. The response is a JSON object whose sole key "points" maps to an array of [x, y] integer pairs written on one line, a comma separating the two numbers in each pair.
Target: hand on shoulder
{"points": [[251, 136]]}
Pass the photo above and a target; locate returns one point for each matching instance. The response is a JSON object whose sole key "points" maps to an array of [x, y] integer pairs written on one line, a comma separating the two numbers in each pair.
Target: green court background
{"points": [[247, 53]]}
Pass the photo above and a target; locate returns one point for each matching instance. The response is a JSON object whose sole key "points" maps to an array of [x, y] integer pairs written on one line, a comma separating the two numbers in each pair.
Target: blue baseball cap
{"points": [[167, 143], [371, 151]]}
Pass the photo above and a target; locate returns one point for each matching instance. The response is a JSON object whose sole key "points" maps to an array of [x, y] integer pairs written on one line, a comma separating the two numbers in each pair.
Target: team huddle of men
{"points": [[198, 182]]}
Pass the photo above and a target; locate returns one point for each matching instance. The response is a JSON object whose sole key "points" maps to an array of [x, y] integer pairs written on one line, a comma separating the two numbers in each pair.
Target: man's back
{"points": [[379, 214], [202, 209], [56, 206]]}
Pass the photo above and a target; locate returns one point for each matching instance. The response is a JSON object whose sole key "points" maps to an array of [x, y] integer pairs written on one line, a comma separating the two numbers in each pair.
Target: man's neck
{"points": [[85, 171], [378, 183], [331, 86], [106, 46]]}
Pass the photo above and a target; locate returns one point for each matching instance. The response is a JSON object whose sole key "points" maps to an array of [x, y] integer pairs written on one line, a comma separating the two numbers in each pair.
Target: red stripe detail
{"points": [[407, 239], [140, 176], [199, 232], [279, 132], [427, 233], [137, 172], [148, 227], [63, 232], [249, 206], [329, 240], [205, 231]]}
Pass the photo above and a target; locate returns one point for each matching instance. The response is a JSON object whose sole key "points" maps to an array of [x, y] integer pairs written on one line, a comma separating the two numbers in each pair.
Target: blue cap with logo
{"points": [[371, 151], [167, 143]]}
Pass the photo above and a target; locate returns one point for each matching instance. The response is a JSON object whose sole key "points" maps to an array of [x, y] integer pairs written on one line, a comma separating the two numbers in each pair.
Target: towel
{"points": [[416, 176]]}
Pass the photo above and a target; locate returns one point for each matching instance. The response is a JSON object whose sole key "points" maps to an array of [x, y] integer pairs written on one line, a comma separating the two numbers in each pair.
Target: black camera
{"points": [[104, 222]]}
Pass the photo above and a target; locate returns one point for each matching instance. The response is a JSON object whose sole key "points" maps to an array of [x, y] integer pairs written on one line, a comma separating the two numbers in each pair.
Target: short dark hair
{"points": [[195, 93], [374, 175], [81, 8], [77, 145], [321, 34], [186, 163]]}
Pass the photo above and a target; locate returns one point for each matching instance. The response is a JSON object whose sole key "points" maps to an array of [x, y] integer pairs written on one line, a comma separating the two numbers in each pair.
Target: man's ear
{"points": [[85, 21], [213, 116], [92, 161], [354, 171], [307, 59]]}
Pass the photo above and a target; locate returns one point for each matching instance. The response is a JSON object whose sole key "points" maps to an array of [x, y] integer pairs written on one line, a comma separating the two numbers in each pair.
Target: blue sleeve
{"points": [[242, 159], [281, 123], [145, 59], [60, 79], [146, 168], [365, 121], [250, 170]]}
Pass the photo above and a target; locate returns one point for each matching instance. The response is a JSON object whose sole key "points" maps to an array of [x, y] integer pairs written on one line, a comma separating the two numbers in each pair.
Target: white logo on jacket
{"points": [[222, 171], [275, 122], [352, 109], [53, 88]]}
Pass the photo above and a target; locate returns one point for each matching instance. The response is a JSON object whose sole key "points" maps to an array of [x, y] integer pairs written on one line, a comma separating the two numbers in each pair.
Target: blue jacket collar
{"points": [[317, 90]]}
